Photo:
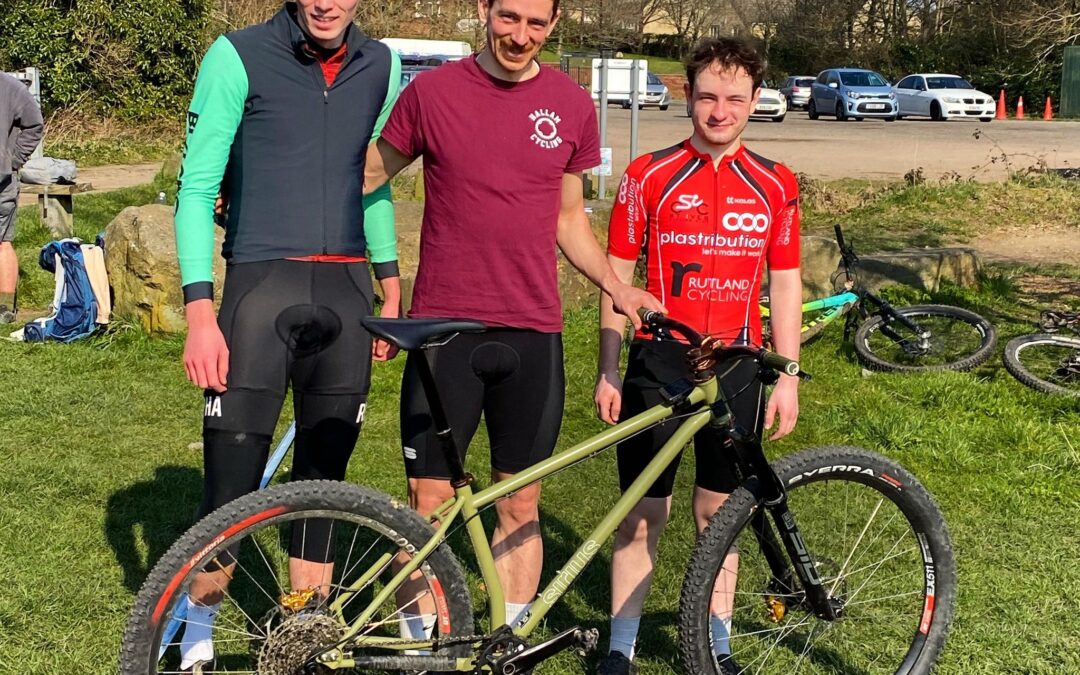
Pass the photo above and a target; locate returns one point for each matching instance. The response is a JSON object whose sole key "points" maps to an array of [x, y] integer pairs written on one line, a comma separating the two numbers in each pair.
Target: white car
{"points": [[940, 96], [771, 104]]}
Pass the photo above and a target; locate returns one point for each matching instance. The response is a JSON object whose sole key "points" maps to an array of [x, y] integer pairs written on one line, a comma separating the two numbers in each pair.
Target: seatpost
{"points": [[458, 477]]}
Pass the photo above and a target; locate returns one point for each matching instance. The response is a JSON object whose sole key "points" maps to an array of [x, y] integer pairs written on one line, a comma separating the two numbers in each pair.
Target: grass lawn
{"points": [[100, 478]]}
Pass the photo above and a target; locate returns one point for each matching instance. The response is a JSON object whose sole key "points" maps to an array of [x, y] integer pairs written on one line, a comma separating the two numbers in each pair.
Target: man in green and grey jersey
{"points": [[279, 125]]}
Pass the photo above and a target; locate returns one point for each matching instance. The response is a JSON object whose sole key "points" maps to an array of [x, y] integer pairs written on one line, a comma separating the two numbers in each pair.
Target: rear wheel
{"points": [[951, 339], [264, 624], [879, 544], [811, 110], [1046, 363]]}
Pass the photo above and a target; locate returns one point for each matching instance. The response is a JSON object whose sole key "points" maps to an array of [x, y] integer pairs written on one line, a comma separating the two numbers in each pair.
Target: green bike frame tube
{"points": [[417, 559], [558, 586]]}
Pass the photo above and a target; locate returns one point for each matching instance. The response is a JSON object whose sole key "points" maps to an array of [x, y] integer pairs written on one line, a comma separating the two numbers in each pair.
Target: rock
{"points": [[819, 259], [140, 256], [925, 268]]}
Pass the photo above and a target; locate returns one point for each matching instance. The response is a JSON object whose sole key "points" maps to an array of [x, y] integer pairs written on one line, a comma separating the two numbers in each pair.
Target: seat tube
{"points": [[438, 418]]}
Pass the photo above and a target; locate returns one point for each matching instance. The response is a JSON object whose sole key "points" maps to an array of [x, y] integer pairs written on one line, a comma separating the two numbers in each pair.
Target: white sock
{"points": [[416, 627], [516, 611], [198, 642], [721, 634], [624, 635]]}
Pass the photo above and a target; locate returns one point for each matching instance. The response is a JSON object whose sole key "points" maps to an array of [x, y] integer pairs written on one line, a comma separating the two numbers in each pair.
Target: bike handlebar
{"points": [[653, 320]]}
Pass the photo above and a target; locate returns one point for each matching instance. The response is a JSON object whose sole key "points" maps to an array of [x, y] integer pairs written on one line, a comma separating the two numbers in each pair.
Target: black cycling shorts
{"points": [[653, 364], [288, 322], [514, 377]]}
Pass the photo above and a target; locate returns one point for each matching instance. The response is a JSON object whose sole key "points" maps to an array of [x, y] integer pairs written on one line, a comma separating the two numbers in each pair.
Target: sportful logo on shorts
{"points": [[410, 453], [545, 128]]}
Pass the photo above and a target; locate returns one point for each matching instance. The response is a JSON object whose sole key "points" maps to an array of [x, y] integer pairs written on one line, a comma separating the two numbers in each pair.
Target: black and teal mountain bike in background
{"points": [[916, 338], [830, 560]]}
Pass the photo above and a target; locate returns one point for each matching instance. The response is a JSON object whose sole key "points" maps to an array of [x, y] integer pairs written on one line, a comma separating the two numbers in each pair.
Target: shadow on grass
{"points": [[145, 518]]}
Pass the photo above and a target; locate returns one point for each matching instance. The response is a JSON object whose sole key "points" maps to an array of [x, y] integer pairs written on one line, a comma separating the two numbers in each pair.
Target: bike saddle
{"points": [[412, 334]]}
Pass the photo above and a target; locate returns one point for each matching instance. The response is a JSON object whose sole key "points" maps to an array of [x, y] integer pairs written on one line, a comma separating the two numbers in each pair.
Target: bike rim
{"points": [[255, 632], [1054, 361], [868, 555], [945, 340]]}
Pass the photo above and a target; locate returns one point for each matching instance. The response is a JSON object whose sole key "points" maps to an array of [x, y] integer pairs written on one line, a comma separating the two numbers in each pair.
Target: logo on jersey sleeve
{"points": [[629, 190], [546, 128]]}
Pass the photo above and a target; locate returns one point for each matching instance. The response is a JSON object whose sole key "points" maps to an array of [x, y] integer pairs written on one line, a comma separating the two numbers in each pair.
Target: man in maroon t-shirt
{"points": [[504, 143]]}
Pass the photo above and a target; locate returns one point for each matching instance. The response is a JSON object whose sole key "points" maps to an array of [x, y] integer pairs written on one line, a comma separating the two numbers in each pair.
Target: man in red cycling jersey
{"points": [[709, 215]]}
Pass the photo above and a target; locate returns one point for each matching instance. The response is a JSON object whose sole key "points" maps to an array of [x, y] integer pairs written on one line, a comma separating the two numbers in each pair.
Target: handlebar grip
{"points": [[648, 315], [780, 363]]}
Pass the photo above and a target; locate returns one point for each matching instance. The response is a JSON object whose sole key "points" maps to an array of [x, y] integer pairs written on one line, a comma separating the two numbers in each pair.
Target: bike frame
{"points": [[467, 504], [701, 406], [831, 308]]}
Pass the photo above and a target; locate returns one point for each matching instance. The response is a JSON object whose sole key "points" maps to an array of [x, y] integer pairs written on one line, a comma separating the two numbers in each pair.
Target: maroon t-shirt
{"points": [[494, 156]]}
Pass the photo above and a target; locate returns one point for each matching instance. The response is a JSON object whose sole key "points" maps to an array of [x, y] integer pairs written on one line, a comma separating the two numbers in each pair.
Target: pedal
{"points": [[584, 640]]}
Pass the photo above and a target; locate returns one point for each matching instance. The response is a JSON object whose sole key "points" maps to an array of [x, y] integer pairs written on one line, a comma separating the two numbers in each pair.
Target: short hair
{"points": [[728, 53]]}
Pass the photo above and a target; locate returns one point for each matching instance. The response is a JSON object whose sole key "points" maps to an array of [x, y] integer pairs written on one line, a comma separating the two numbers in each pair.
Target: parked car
{"points": [[771, 104], [939, 97], [656, 93], [851, 93], [414, 64], [796, 90]]}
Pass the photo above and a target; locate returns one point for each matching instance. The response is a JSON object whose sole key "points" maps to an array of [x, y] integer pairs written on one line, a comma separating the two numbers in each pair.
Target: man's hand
{"points": [[629, 299], [381, 350], [784, 401], [608, 396], [206, 356]]}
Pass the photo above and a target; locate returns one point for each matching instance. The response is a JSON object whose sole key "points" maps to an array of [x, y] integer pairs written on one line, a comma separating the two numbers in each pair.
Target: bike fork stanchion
{"points": [[272, 465]]}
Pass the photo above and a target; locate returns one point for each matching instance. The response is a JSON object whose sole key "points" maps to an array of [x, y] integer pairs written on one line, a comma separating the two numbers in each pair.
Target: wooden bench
{"points": [[56, 206]]}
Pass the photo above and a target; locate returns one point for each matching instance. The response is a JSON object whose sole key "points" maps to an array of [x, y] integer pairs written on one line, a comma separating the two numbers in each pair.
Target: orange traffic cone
{"points": [[1001, 114], [1048, 111], [1020, 108]]}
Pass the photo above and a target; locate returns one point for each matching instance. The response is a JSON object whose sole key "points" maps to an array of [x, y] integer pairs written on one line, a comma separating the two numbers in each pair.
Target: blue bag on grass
{"points": [[74, 308]]}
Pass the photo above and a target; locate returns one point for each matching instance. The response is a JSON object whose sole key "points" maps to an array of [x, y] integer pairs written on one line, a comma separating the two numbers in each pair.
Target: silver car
{"points": [[796, 90], [656, 93], [852, 93]]}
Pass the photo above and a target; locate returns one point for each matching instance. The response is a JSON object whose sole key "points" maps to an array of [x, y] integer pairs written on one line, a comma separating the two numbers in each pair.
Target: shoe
{"points": [[616, 663], [728, 665], [7, 315]]}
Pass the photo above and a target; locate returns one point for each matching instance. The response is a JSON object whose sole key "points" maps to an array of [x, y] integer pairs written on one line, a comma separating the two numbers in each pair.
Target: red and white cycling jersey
{"points": [[707, 233]]}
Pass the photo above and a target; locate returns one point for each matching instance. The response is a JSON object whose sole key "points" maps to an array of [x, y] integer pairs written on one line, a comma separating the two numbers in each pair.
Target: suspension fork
{"points": [[771, 493], [889, 315]]}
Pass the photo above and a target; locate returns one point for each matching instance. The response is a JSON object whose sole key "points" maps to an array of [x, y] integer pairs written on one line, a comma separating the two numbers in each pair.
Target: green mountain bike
{"points": [[843, 560], [916, 338]]}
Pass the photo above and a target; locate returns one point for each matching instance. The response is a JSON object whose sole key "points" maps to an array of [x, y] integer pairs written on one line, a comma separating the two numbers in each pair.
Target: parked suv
{"points": [[796, 90], [852, 93]]}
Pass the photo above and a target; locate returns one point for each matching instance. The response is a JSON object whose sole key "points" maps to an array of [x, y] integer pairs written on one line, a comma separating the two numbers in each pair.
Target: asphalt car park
{"points": [[872, 148]]}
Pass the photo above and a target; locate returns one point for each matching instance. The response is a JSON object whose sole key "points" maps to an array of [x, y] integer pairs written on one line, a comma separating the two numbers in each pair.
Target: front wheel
{"points": [[951, 339], [663, 108], [840, 116], [778, 119], [811, 110], [877, 541], [245, 552], [1046, 363]]}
